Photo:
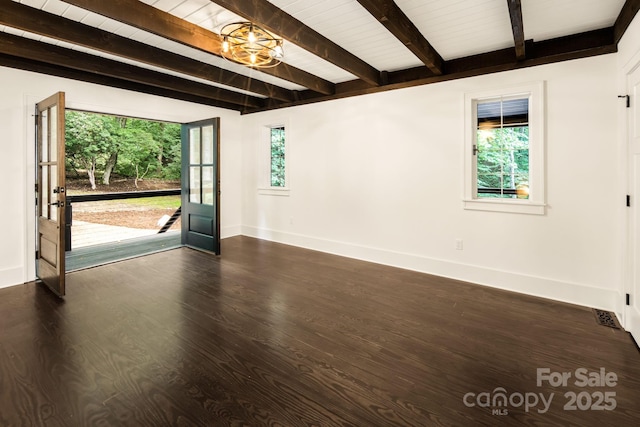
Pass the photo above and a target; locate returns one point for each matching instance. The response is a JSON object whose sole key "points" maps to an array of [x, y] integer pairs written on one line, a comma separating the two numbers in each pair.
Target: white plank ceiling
{"points": [[455, 29]]}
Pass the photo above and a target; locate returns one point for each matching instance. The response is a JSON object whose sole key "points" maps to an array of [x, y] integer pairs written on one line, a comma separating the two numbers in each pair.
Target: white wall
{"points": [[379, 177], [21, 90]]}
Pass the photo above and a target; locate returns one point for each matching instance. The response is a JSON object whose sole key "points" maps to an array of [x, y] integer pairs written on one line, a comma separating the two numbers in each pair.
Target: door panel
{"points": [[50, 199], [200, 185], [632, 311]]}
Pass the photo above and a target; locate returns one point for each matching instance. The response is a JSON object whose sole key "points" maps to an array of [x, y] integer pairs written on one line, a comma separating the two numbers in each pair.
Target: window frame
{"points": [[536, 203], [264, 185]]}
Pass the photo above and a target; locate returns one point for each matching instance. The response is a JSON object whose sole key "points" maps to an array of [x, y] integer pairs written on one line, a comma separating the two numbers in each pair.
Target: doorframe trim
{"points": [[29, 160]]}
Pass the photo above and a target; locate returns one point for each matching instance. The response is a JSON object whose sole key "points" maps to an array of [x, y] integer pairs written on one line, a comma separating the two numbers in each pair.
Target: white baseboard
{"points": [[11, 277], [632, 322], [230, 231], [573, 293]]}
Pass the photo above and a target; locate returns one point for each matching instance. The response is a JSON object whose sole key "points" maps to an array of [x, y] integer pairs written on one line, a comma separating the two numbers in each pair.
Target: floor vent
{"points": [[606, 318]]}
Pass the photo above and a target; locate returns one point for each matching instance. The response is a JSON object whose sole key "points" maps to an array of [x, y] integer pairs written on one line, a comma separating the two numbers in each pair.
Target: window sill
{"points": [[273, 191], [507, 206]]}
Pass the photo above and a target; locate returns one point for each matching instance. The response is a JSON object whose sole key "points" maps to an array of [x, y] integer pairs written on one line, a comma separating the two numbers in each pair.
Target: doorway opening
{"points": [[90, 138], [123, 177]]}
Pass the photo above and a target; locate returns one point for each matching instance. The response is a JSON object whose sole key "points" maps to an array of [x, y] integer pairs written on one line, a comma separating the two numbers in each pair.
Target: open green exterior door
{"points": [[201, 185]]}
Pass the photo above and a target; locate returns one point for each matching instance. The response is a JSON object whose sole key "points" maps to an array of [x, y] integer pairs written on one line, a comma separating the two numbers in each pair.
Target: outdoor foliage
{"points": [[277, 157], [133, 148], [503, 158]]}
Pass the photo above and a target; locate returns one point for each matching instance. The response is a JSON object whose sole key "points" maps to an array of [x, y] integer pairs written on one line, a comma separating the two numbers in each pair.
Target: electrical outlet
{"points": [[458, 244]]}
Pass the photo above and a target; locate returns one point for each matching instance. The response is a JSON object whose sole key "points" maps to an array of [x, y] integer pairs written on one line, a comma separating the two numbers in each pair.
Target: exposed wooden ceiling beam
{"points": [[153, 20], [515, 12], [69, 73], [41, 57], [395, 20], [38, 51], [583, 45], [628, 12], [29, 19], [286, 26]]}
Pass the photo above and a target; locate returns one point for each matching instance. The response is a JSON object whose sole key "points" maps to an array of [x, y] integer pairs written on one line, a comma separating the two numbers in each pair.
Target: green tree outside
{"points": [[277, 157], [502, 159], [133, 148]]}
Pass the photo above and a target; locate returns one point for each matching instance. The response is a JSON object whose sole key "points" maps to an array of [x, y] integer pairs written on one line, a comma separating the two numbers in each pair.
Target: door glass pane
{"points": [[44, 154], [44, 205], [53, 213], [53, 140], [207, 185], [194, 184], [53, 176], [194, 146], [207, 145]]}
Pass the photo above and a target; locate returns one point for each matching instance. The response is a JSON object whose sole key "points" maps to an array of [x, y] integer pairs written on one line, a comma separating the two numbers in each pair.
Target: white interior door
{"points": [[632, 311]]}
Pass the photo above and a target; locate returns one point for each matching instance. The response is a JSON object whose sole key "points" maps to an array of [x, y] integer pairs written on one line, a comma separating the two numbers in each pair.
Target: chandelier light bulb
{"points": [[278, 52]]}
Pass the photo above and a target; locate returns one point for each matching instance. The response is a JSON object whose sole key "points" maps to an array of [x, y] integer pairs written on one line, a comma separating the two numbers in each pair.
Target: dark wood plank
{"points": [[395, 20], [517, 27], [38, 51], [270, 334], [583, 45], [57, 27], [69, 73], [628, 12], [163, 24], [286, 26], [576, 46]]}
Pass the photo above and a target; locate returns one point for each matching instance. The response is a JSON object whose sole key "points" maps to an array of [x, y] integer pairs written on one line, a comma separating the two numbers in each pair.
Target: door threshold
{"points": [[106, 253]]}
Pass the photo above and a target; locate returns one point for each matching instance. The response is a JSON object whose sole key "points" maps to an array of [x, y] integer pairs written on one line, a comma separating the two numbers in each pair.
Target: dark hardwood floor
{"points": [[272, 335]]}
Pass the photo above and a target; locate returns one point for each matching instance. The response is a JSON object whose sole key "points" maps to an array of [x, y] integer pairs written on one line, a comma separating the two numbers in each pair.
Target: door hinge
{"points": [[628, 201], [475, 150], [36, 188], [628, 98], [628, 299], [37, 255]]}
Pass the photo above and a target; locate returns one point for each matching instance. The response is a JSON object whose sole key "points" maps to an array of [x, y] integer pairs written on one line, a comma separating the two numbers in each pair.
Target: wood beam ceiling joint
{"points": [[150, 19], [286, 26], [517, 28], [136, 13], [399, 25]]}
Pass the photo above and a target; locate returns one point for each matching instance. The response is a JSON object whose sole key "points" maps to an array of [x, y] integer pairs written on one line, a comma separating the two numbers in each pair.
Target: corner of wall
{"points": [[11, 277]]}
